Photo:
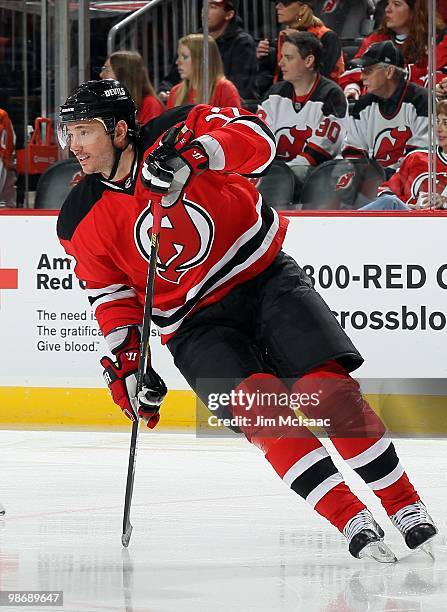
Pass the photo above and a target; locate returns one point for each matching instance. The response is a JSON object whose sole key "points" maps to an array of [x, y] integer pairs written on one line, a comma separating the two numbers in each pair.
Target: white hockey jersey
{"points": [[308, 130], [412, 177], [388, 129]]}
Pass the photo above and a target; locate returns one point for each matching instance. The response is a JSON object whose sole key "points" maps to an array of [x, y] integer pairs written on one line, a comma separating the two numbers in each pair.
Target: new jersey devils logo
{"points": [[390, 145], [421, 184], [329, 6], [345, 180], [185, 239], [291, 141]]}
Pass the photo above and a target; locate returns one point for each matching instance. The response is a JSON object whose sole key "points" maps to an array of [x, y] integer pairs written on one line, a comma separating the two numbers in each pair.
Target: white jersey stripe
{"points": [[304, 464], [324, 487], [387, 480], [370, 453]]}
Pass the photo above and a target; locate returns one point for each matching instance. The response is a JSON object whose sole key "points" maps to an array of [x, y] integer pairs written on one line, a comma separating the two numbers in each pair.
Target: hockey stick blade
{"points": [[125, 538], [144, 351]]}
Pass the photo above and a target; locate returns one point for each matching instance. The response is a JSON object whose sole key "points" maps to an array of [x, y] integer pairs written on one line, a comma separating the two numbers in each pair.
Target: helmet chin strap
{"points": [[117, 156]]}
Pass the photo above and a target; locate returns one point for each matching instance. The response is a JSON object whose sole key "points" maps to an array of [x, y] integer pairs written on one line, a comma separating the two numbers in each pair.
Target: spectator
{"points": [[392, 118], [405, 22], [408, 188], [237, 49], [298, 15], [306, 112], [345, 17], [128, 68], [221, 91], [8, 174]]}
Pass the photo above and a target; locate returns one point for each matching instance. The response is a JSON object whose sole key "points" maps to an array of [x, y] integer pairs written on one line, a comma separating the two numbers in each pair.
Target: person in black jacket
{"points": [[237, 49]]}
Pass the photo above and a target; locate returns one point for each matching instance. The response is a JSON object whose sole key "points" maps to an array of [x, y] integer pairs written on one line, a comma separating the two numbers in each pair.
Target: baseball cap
{"points": [[381, 52]]}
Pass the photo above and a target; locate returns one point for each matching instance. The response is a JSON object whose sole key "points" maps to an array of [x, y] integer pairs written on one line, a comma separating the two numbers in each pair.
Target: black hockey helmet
{"points": [[107, 100]]}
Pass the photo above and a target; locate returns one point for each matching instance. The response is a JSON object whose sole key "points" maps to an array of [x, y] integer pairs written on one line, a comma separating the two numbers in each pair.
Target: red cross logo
{"points": [[9, 278]]}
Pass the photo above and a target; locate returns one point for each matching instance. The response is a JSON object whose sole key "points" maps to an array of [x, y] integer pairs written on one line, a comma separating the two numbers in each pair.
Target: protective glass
{"points": [[78, 133]]}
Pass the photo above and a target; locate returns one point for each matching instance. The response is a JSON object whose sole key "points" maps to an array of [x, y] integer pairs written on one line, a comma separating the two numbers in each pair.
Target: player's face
{"points": [[397, 16], [441, 131], [287, 13], [92, 146], [375, 79], [184, 62], [292, 65]]}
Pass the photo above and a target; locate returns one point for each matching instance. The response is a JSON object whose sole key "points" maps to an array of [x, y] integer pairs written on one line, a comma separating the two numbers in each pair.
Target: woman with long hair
{"points": [[221, 91], [405, 22], [128, 68], [298, 15]]}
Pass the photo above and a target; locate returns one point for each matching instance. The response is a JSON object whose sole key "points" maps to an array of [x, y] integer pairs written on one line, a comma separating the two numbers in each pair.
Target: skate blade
{"points": [[428, 548], [378, 551]]}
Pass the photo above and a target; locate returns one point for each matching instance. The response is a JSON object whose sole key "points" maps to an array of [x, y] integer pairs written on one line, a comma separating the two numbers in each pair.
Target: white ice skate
{"points": [[417, 527], [365, 538]]}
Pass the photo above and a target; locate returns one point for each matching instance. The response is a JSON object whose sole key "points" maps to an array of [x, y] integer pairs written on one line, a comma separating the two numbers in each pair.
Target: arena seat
{"points": [[277, 186], [55, 184], [341, 184]]}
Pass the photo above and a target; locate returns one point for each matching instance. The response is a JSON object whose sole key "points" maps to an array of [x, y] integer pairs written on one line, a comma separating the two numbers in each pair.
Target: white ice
{"points": [[214, 530]]}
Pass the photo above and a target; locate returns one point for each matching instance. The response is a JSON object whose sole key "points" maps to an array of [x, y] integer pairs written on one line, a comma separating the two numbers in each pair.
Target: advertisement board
{"points": [[384, 277]]}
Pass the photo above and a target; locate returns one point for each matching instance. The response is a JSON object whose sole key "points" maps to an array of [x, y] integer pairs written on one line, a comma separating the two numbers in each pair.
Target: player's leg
{"points": [[214, 350], [305, 342]]}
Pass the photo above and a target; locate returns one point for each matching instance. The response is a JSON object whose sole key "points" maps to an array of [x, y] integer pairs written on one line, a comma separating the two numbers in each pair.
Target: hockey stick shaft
{"points": [[142, 364]]}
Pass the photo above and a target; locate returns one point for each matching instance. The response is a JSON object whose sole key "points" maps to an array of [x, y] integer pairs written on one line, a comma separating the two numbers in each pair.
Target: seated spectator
{"points": [[392, 118], [221, 91], [408, 188], [345, 17], [306, 112], [128, 68], [298, 15], [8, 174], [236, 46], [405, 23]]}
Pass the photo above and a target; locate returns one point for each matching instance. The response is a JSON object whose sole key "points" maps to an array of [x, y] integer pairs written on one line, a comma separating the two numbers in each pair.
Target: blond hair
{"points": [[306, 19], [194, 42], [129, 69]]}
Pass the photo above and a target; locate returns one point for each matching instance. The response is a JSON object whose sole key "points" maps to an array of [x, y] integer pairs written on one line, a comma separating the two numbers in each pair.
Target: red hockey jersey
{"points": [[218, 233], [412, 177]]}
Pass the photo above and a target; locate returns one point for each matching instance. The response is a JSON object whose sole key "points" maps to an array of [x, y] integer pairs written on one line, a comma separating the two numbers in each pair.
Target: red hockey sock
{"points": [[296, 454], [359, 435]]}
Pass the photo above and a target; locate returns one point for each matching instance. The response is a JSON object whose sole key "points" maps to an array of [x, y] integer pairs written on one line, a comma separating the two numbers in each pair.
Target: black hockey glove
{"points": [[177, 154]]}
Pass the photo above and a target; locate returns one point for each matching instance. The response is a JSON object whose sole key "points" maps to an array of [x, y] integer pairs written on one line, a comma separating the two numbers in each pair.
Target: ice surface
{"points": [[214, 529]]}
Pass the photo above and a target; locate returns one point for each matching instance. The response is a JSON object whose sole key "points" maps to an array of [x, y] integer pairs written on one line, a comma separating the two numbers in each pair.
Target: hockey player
{"points": [[306, 112], [235, 311], [392, 118]]}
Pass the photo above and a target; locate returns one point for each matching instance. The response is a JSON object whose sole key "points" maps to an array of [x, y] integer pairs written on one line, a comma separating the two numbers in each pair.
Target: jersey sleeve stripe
{"points": [[96, 297]]}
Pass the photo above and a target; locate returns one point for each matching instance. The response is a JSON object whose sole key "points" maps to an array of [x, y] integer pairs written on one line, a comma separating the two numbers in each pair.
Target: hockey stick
{"points": [[144, 352]]}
